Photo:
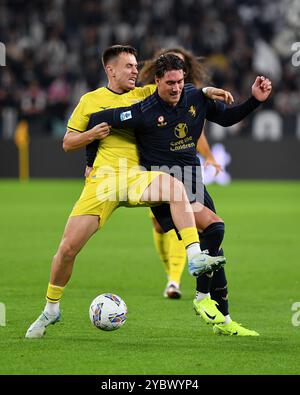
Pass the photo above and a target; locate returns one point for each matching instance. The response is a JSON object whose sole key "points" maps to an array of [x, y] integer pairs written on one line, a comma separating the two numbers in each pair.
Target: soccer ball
{"points": [[108, 312]]}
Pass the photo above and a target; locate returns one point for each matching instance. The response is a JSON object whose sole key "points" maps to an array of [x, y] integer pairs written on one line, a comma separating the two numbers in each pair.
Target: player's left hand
{"points": [[218, 94], [214, 163], [261, 88]]}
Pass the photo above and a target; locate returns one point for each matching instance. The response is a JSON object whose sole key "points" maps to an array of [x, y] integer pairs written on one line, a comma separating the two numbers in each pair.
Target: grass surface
{"points": [[160, 336]]}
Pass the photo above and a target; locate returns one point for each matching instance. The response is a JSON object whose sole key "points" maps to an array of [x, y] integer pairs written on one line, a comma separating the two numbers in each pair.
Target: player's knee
{"points": [[215, 218], [67, 251], [204, 216]]}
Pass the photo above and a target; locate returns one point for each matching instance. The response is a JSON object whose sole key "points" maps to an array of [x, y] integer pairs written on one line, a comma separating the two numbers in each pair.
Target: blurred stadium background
{"points": [[52, 56]]}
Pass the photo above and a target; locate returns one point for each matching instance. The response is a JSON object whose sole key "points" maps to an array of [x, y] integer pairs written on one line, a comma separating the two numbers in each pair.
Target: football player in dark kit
{"points": [[167, 126]]}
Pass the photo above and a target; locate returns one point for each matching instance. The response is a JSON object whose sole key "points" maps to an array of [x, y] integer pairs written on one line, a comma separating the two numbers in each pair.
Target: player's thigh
{"points": [[164, 188], [95, 201], [204, 216], [138, 184]]}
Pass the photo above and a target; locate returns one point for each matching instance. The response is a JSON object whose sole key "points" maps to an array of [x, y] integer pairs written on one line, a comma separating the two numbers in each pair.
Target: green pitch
{"points": [[160, 336]]}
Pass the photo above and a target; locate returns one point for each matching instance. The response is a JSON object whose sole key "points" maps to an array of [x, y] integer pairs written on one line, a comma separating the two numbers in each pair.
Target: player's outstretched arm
{"points": [[226, 116]]}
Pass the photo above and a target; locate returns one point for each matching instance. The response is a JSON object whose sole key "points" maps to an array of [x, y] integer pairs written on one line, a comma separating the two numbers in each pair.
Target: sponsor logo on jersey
{"points": [[181, 130], [161, 121]]}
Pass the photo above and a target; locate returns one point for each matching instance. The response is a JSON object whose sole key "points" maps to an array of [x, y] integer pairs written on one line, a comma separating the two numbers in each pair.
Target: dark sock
{"points": [[218, 290], [210, 239], [204, 282]]}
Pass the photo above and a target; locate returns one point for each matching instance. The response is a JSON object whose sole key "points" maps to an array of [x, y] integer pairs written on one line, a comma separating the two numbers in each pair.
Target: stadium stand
{"points": [[53, 49]]}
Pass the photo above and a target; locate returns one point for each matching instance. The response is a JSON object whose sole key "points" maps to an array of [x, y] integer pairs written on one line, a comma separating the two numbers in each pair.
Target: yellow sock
{"points": [[54, 293], [161, 241], [177, 257], [189, 236]]}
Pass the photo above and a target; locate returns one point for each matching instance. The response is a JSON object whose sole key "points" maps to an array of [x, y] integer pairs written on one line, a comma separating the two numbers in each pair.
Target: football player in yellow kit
{"points": [[115, 180]]}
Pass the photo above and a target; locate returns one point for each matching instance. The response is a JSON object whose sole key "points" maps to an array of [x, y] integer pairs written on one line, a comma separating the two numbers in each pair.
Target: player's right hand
{"points": [[100, 131]]}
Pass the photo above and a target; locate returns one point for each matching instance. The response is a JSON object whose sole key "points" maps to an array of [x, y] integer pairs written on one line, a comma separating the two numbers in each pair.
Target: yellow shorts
{"points": [[107, 189]]}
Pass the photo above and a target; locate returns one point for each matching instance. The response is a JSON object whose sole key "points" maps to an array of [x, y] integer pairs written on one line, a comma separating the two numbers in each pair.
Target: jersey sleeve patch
{"points": [[125, 115]]}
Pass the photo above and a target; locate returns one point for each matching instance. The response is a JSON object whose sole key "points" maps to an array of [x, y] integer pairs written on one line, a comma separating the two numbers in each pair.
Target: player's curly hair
{"points": [[196, 72]]}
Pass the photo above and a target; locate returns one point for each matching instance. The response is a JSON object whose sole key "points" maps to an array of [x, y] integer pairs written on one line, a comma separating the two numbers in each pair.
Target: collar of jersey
{"points": [[116, 93], [182, 102]]}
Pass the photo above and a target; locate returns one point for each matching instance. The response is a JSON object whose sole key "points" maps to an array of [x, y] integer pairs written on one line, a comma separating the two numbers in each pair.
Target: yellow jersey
{"points": [[119, 143]]}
